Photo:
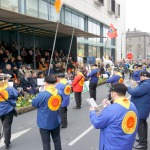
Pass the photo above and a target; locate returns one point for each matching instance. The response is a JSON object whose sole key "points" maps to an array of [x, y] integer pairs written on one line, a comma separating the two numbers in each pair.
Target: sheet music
{"points": [[91, 102], [40, 81]]}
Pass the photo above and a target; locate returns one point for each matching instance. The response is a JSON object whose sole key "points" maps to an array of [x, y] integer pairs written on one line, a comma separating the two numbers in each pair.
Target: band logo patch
{"points": [[54, 102], [129, 122], [121, 80], [67, 90], [81, 82], [3, 95]]}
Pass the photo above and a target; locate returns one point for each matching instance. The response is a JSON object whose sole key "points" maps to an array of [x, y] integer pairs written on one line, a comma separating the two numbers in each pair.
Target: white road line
{"points": [[84, 133], [14, 136], [80, 136]]}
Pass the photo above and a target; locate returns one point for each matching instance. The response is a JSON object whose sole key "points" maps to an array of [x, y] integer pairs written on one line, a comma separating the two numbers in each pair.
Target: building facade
{"points": [[138, 43], [93, 16]]}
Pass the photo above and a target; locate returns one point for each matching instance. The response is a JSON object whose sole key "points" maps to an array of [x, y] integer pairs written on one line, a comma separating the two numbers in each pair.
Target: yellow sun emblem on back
{"points": [[67, 90], [129, 122], [3, 95], [54, 102]]}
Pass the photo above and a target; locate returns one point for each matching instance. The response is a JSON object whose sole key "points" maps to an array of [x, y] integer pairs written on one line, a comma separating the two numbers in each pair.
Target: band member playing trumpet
{"points": [[118, 122]]}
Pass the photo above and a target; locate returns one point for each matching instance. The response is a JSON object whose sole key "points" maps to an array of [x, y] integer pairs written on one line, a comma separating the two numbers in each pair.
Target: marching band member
{"points": [[94, 76], [66, 89], [140, 96], [118, 122], [48, 103], [77, 85], [8, 97]]}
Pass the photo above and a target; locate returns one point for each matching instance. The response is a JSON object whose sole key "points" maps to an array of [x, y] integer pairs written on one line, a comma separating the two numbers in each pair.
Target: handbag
{"points": [[14, 108]]}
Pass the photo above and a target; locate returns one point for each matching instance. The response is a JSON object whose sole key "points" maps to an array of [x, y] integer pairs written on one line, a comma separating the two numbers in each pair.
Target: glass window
{"points": [[52, 13], [80, 50], [90, 50], [98, 52], [11, 5], [90, 27], [68, 18], [75, 20], [81, 23], [43, 11], [22, 6], [32, 7], [94, 51]]}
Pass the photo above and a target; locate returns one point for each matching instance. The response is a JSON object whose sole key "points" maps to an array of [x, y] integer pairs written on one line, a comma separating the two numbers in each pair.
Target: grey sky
{"points": [[138, 15]]}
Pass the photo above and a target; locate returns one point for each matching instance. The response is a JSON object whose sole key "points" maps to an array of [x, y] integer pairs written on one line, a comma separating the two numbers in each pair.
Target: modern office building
{"points": [[138, 43], [19, 19]]}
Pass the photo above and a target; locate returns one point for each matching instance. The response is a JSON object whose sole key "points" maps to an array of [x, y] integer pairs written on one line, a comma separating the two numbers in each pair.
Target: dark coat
{"points": [[140, 96]]}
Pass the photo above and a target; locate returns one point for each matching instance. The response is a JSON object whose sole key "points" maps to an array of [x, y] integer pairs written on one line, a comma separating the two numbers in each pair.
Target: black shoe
{"points": [[137, 140], [76, 107], [7, 147], [63, 126], [141, 147]]}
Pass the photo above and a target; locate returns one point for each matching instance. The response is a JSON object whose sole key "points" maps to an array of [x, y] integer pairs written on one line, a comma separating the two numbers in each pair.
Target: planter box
{"points": [[25, 109]]}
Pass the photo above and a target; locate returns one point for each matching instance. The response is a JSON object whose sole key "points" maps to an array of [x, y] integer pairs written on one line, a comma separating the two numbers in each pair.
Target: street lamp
{"points": [[121, 44]]}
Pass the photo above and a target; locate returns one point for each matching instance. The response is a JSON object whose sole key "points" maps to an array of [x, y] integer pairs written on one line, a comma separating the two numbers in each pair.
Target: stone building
{"points": [[138, 43]]}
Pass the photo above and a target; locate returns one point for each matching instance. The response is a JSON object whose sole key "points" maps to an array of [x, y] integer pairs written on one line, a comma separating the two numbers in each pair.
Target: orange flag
{"points": [[112, 32], [58, 5]]}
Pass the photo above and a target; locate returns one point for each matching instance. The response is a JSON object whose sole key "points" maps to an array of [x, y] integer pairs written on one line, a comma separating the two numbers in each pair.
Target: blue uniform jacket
{"points": [[140, 96], [93, 76], [5, 107], [112, 135], [48, 116], [114, 78], [65, 98]]}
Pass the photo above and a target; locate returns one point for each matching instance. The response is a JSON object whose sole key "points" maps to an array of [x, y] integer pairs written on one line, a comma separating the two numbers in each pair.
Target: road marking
{"points": [[80, 136], [14, 136], [84, 133]]}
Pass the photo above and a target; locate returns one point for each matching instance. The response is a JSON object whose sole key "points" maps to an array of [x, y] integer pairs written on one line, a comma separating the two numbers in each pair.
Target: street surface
{"points": [[80, 134]]}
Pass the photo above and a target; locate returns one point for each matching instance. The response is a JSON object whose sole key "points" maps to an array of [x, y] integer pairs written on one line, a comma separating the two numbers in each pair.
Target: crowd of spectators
{"points": [[20, 67]]}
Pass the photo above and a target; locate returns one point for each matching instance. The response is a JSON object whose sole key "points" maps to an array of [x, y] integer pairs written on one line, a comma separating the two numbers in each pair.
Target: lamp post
{"points": [[121, 44]]}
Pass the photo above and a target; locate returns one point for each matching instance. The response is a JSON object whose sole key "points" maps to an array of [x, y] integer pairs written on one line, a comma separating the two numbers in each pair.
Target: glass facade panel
{"points": [[81, 23], [94, 51], [98, 52], [32, 7], [68, 18], [22, 6], [90, 50], [80, 50], [75, 20], [52, 13], [11, 5], [43, 10]]}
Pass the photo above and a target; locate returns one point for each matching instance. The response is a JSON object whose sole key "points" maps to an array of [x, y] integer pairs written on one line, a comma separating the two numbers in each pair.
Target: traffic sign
{"points": [[129, 55]]}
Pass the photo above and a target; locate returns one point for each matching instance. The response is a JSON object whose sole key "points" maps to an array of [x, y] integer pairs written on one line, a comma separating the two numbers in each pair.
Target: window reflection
{"points": [[11, 5], [43, 10], [32, 7], [80, 50]]}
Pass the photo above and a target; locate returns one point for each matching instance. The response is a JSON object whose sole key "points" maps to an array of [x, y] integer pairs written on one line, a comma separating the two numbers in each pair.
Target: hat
{"points": [[39, 73], [61, 75], [50, 79], [94, 65], [118, 88], [139, 65], [145, 73]]}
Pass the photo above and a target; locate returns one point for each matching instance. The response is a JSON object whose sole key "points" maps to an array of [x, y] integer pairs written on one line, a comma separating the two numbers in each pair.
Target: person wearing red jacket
{"points": [[77, 85]]}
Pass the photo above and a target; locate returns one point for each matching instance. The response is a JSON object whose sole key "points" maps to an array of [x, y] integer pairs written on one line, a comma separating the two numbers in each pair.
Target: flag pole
{"points": [[53, 46], [69, 49]]}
